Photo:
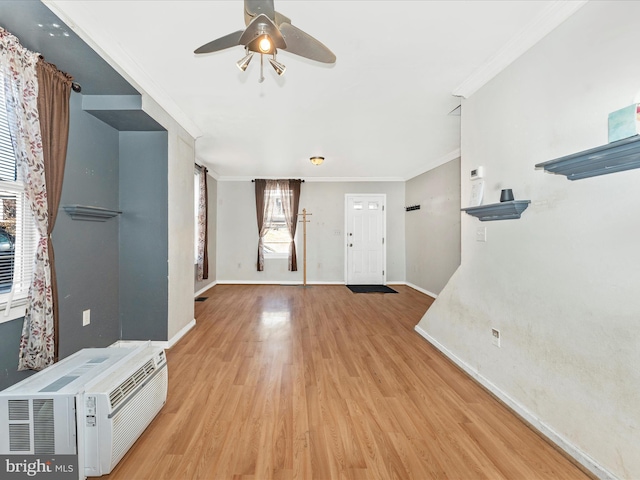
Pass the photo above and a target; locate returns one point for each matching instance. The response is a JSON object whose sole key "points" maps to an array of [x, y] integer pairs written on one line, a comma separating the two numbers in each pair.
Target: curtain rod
{"points": [[253, 181], [75, 86]]}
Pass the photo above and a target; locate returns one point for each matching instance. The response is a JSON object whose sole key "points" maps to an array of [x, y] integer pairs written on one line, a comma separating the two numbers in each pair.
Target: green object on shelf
{"points": [[623, 123]]}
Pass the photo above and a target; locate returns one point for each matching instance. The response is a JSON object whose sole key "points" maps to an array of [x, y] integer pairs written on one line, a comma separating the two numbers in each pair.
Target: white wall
{"points": [[238, 233], [561, 283], [433, 232]]}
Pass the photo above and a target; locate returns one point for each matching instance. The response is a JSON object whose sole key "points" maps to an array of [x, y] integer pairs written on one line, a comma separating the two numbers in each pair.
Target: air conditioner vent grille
{"points": [[18, 410], [119, 394], [43, 426], [19, 438]]}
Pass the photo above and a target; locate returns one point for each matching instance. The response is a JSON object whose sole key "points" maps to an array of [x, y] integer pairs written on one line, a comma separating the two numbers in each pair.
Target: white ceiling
{"points": [[380, 112]]}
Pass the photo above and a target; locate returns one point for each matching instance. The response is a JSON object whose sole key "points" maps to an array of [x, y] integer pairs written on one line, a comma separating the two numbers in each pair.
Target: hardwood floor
{"points": [[283, 382]]}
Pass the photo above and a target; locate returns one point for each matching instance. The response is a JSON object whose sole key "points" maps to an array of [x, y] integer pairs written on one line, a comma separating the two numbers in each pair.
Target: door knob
{"points": [[351, 244]]}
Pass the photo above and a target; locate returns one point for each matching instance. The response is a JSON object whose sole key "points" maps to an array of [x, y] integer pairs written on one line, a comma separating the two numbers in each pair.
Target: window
{"points": [[277, 239], [276, 211], [18, 233]]}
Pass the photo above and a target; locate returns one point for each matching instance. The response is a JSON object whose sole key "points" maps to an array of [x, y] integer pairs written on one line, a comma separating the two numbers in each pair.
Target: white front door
{"points": [[365, 236]]}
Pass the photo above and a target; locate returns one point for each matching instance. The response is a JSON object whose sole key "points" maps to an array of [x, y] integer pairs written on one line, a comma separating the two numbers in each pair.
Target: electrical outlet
{"points": [[495, 337], [86, 317]]}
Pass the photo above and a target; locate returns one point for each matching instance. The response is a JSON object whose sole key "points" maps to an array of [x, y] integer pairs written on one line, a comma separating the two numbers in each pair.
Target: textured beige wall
{"points": [[561, 283], [433, 232]]}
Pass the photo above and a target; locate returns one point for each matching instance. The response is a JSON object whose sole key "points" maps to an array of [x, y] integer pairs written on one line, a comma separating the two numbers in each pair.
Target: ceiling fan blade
{"points": [[228, 41], [253, 8], [303, 44], [280, 19]]}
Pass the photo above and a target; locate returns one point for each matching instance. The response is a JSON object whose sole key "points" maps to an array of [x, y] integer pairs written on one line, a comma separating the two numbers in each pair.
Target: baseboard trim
{"points": [[274, 282], [181, 333], [567, 447], [422, 290], [204, 289], [309, 282], [158, 343]]}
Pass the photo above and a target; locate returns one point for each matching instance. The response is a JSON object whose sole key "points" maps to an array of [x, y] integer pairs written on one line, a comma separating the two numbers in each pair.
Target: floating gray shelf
{"points": [[498, 211], [613, 157], [92, 214]]}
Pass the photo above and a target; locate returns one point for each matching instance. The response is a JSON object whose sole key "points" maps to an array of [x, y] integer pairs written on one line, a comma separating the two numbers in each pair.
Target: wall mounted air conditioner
{"points": [[93, 404]]}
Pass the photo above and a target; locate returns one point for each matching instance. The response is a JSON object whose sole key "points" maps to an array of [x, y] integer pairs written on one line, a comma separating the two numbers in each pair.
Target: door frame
{"points": [[383, 196]]}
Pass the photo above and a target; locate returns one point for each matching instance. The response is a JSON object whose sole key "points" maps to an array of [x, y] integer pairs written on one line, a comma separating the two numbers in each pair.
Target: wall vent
{"points": [[120, 393]]}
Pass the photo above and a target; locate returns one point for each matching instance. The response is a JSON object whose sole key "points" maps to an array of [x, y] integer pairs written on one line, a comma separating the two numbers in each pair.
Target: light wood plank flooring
{"points": [[284, 382]]}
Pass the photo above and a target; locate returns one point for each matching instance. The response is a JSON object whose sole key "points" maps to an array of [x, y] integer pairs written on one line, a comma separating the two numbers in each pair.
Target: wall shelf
{"points": [[613, 157], [91, 214], [498, 211]]}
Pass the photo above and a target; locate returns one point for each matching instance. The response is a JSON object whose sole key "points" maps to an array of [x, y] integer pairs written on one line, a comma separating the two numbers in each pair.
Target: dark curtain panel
{"points": [[54, 89], [291, 196], [261, 213]]}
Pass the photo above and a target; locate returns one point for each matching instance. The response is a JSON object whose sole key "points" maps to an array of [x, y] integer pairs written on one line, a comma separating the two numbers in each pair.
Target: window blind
{"points": [[18, 233]]}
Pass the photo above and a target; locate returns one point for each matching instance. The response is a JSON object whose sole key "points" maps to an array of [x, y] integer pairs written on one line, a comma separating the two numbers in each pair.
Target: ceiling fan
{"points": [[266, 32]]}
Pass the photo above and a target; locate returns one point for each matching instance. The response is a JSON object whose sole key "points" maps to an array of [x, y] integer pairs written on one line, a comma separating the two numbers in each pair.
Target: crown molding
{"points": [[122, 62], [314, 179], [543, 24], [435, 164]]}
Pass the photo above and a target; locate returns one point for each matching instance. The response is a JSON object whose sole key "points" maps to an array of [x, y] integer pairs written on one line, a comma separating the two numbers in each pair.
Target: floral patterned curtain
{"points": [[18, 66], [203, 255]]}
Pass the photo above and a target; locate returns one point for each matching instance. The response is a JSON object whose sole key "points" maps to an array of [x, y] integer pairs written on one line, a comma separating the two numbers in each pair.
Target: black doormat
{"points": [[201, 299], [370, 289]]}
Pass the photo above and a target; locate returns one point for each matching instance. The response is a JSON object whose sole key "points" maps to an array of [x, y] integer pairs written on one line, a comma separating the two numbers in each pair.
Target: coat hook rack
{"points": [[412, 208]]}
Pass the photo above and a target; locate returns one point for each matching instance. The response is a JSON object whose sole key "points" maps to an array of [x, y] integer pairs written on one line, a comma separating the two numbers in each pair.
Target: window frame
{"points": [[18, 300]]}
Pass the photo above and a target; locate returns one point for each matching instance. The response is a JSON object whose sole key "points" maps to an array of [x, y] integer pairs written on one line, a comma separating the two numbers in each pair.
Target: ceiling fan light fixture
{"points": [[243, 63], [317, 160], [277, 66], [266, 32]]}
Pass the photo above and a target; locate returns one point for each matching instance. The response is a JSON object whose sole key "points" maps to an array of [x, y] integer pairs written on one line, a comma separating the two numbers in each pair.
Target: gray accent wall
{"points": [[87, 252], [144, 249], [9, 342], [433, 231]]}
